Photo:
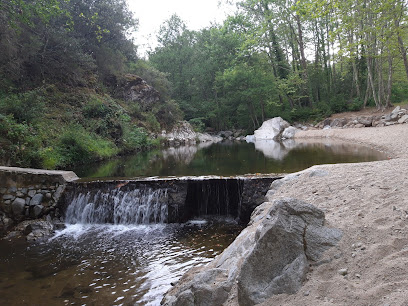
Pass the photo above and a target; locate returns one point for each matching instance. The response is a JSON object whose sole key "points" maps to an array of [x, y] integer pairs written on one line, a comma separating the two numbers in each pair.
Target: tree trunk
{"points": [[389, 85], [354, 56], [401, 46], [303, 59], [371, 80]]}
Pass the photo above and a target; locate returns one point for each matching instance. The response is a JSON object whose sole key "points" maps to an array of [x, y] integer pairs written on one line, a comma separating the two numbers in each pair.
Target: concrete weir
{"points": [[170, 200]]}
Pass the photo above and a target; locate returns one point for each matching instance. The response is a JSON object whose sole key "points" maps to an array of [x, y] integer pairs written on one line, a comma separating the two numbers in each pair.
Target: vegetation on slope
{"points": [[63, 62]]}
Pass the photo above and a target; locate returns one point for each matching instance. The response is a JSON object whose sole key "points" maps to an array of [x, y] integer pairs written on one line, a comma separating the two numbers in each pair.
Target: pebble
{"points": [[343, 271]]}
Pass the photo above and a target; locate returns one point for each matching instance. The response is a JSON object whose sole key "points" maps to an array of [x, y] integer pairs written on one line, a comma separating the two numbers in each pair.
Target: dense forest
{"points": [[301, 60], [63, 64]]}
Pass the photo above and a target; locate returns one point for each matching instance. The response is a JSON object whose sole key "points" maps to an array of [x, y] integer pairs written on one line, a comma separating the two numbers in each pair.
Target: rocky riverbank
{"points": [[368, 203]]}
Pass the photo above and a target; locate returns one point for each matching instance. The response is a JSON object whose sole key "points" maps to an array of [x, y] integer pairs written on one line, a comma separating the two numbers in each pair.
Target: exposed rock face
{"points": [[136, 89], [183, 133], [271, 129], [269, 257]]}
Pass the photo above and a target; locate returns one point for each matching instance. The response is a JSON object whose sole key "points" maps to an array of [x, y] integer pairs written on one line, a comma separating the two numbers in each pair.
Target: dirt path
{"points": [[369, 203]]}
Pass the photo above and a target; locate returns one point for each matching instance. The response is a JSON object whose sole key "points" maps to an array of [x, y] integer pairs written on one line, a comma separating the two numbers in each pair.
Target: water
{"points": [[117, 249], [88, 264], [138, 206], [230, 158]]}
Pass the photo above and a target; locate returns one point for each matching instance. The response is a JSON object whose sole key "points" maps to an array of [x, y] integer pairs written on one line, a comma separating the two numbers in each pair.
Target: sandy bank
{"points": [[369, 203]]}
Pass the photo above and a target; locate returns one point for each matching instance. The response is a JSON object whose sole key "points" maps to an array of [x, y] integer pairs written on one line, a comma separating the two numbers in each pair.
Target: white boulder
{"points": [[271, 129], [289, 132]]}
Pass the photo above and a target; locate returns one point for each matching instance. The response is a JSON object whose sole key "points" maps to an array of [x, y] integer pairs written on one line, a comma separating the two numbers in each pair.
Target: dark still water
{"points": [[107, 264], [230, 158]]}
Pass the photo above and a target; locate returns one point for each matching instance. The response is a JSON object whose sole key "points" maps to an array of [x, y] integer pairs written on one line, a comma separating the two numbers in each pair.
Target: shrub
{"points": [[169, 113], [18, 143], [198, 124], [135, 138], [152, 123], [95, 108], [25, 107], [77, 146], [356, 105]]}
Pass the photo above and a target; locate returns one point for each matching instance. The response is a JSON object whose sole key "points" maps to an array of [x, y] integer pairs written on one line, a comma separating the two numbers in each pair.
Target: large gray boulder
{"points": [[271, 129], [271, 256], [289, 133]]}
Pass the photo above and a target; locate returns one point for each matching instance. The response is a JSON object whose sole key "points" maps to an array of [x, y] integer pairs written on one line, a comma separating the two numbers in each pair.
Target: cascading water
{"points": [[139, 206]]}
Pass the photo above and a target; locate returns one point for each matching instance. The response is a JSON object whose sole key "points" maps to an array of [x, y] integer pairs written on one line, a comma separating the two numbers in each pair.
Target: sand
{"points": [[369, 203]]}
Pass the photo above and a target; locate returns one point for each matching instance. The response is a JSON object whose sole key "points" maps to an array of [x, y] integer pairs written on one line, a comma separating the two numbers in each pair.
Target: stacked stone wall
{"points": [[27, 194]]}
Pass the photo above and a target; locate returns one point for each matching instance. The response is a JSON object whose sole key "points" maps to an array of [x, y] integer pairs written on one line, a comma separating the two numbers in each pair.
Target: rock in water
{"points": [[271, 256], [271, 129]]}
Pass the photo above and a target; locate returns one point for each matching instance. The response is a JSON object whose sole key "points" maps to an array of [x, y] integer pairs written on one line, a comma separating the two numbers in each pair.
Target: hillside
{"points": [[70, 91]]}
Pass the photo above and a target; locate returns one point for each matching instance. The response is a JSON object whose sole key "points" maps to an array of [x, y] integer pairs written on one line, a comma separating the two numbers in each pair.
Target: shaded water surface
{"points": [[107, 264], [230, 158]]}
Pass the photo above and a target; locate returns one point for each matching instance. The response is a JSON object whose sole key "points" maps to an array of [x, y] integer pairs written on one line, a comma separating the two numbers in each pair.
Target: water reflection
{"points": [[231, 158]]}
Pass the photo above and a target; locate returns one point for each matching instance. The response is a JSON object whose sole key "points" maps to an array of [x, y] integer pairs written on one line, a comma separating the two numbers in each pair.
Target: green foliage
{"points": [[305, 114], [72, 42], [95, 108], [77, 146], [168, 113], [198, 124], [399, 92], [152, 123], [24, 107], [136, 139], [18, 143], [355, 105]]}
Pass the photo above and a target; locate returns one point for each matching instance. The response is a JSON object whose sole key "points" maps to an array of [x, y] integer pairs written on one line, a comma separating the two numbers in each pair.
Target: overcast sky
{"points": [[197, 14]]}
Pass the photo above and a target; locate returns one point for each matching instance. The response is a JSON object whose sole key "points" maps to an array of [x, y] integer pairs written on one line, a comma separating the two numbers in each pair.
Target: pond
{"points": [[89, 263], [230, 158]]}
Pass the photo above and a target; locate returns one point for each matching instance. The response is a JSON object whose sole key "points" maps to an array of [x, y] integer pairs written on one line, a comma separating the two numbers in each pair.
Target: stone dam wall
{"points": [[30, 194], [33, 194], [186, 197]]}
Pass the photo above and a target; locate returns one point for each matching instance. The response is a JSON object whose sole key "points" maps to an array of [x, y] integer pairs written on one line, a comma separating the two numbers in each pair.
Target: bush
{"points": [[198, 124], [356, 105], [168, 114], [77, 146], [25, 107], [152, 123], [338, 104], [135, 139], [18, 143], [95, 108]]}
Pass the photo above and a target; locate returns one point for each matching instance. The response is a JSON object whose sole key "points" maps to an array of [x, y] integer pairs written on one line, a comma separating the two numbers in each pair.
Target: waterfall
{"points": [[162, 200], [138, 206]]}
